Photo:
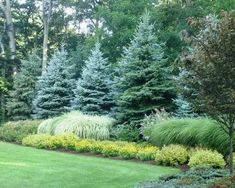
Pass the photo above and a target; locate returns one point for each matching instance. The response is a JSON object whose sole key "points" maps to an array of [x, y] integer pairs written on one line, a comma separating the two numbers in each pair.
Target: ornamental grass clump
{"points": [[84, 126], [191, 132]]}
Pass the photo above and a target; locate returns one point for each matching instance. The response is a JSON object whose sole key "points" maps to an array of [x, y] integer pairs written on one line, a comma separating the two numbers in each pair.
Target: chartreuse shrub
{"points": [[173, 155], [44, 141], [15, 131], [204, 157], [125, 150], [147, 153], [84, 126], [190, 132]]}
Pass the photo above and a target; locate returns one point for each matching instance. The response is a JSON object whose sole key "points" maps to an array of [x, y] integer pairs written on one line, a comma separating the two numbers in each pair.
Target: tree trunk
{"points": [[45, 46], [231, 131], [10, 29], [47, 11]]}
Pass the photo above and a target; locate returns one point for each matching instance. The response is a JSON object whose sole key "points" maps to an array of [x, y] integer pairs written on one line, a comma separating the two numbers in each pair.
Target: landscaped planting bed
{"points": [[172, 155]]}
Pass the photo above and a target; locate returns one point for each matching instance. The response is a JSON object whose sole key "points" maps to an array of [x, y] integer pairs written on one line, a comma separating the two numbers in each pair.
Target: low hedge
{"points": [[125, 150], [193, 132], [15, 131], [172, 155], [66, 141]]}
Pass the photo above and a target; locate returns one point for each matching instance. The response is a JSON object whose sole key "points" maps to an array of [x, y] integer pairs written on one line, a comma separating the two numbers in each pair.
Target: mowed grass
{"points": [[23, 167]]}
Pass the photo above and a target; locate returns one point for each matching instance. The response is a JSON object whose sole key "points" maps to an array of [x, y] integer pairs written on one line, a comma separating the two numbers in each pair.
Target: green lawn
{"points": [[22, 167]]}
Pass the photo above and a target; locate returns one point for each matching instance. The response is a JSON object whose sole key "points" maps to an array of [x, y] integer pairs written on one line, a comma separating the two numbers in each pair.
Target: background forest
{"points": [[148, 80], [111, 57]]}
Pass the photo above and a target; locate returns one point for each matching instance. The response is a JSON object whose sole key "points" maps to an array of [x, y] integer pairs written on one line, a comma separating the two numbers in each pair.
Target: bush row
{"points": [[84, 126], [193, 132], [16, 131], [124, 150], [172, 155]]}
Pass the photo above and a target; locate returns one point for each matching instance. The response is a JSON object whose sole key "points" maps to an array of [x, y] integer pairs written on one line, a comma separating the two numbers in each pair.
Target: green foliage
{"points": [[84, 126], [173, 155], [92, 94], [198, 177], [190, 132], [143, 83], [125, 132], [19, 104], [3, 87], [15, 131], [43, 141], [54, 88], [202, 157]]}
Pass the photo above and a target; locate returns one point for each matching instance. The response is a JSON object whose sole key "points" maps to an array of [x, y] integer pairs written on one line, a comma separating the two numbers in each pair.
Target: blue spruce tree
{"points": [[144, 83], [54, 88], [19, 104], [184, 109], [92, 95]]}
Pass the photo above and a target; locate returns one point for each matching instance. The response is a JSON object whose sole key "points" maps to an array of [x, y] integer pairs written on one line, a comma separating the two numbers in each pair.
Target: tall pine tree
{"points": [[19, 104], [144, 83], [54, 88], [92, 94]]}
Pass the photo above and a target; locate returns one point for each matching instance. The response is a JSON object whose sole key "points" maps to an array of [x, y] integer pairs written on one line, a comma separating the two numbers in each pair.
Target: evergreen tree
{"points": [[92, 94], [183, 107], [54, 88], [144, 83], [19, 104]]}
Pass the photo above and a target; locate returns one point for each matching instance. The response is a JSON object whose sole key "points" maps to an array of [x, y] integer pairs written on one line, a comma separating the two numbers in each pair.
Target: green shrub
{"points": [[84, 146], [15, 131], [84, 126], [129, 151], [44, 141], [203, 157], [147, 153], [172, 155], [125, 132], [190, 132]]}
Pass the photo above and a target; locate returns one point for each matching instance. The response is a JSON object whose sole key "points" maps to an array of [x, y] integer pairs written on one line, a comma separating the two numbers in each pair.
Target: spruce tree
{"points": [[92, 95], [144, 83], [19, 104], [184, 108], [54, 88]]}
